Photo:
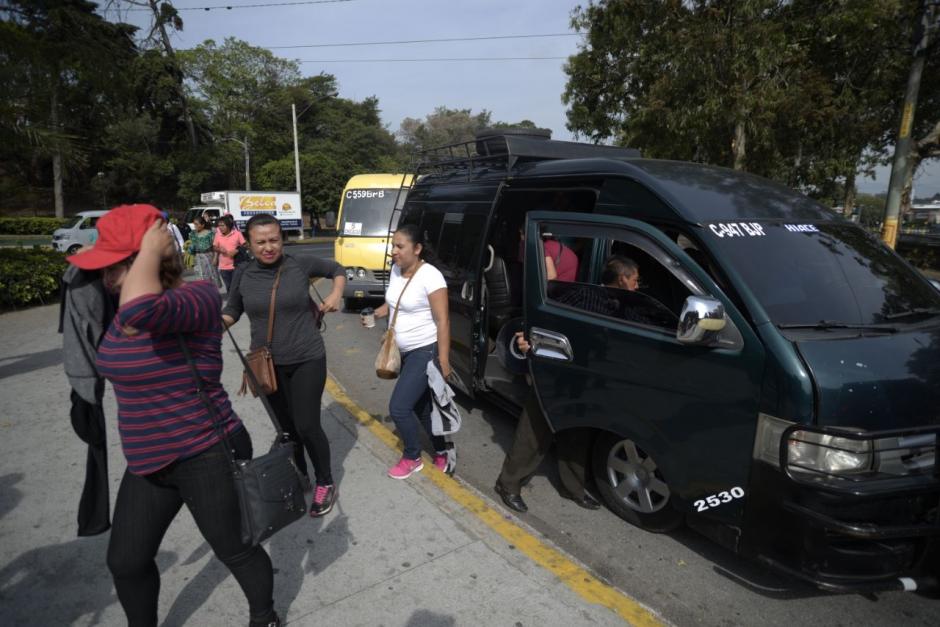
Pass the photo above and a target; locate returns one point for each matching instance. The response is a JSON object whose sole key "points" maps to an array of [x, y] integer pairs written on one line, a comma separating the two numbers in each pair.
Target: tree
{"points": [[61, 67], [696, 80], [800, 91], [442, 127]]}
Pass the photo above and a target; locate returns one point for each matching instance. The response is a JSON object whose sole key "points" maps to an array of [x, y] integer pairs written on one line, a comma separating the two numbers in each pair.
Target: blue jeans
{"points": [[411, 401]]}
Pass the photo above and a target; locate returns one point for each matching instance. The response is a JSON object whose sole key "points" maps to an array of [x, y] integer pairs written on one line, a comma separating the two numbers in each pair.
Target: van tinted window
{"points": [[460, 238], [808, 273]]}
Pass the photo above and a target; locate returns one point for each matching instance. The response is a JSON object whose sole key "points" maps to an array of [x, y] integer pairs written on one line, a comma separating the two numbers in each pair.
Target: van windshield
{"points": [[835, 273], [366, 211]]}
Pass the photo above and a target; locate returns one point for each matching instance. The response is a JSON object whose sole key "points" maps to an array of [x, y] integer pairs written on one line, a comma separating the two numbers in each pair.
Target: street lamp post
{"points": [[294, 116], [247, 162]]}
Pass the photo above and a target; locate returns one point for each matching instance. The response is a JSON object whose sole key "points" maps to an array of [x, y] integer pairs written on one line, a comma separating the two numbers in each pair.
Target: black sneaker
{"points": [[323, 498]]}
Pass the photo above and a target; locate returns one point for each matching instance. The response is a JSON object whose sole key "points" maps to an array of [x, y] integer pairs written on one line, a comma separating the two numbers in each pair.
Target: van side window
{"points": [[431, 222], [461, 233], [89, 223], [625, 281]]}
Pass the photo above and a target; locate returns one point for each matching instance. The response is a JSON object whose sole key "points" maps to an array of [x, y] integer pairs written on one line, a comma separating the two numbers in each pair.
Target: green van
{"points": [[774, 382]]}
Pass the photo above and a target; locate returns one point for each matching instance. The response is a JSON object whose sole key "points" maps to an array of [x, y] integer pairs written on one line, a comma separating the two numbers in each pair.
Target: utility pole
{"points": [[293, 111], [902, 149], [247, 166]]}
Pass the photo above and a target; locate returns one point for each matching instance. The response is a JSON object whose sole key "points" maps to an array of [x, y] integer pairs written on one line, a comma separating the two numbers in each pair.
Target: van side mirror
{"points": [[700, 320]]}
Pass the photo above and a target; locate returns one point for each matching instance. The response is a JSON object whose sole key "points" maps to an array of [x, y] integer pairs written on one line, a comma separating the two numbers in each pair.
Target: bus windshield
{"points": [[366, 212], [829, 272]]}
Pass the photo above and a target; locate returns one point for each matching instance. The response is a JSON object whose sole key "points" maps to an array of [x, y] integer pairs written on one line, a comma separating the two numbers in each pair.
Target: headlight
{"points": [[817, 453], [811, 453], [350, 274], [360, 273]]}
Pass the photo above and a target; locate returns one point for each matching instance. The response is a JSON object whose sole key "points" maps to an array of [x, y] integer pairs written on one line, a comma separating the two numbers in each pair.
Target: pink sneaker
{"points": [[405, 468], [440, 461]]}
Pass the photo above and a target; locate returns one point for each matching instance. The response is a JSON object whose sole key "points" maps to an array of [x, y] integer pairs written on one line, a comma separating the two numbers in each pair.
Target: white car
{"points": [[81, 233]]}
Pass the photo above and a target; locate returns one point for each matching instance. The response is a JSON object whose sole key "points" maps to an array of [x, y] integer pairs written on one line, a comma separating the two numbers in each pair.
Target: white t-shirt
{"points": [[415, 326]]}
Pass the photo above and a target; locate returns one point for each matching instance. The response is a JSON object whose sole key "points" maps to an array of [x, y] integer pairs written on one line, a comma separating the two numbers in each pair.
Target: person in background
{"points": [[173, 444], [533, 435], [200, 246], [422, 332], [174, 231], [225, 244], [86, 310], [296, 345]]}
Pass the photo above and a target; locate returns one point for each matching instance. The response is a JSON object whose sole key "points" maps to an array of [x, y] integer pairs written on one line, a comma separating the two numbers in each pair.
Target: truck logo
{"points": [[257, 203]]}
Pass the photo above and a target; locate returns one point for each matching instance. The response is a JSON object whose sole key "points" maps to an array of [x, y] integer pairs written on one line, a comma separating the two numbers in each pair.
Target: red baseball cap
{"points": [[119, 234]]}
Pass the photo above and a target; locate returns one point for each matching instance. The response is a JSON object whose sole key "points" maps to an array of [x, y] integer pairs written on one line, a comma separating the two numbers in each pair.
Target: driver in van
{"points": [[533, 435]]}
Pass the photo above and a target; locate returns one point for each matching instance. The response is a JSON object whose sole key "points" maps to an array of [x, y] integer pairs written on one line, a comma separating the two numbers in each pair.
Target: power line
{"points": [[257, 5], [424, 41], [427, 60]]}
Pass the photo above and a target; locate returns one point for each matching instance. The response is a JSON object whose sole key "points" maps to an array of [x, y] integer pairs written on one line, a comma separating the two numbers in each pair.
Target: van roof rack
{"points": [[504, 147]]}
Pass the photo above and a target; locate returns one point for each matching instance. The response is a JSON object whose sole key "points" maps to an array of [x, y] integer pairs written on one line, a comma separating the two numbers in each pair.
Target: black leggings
{"points": [[146, 505], [297, 405]]}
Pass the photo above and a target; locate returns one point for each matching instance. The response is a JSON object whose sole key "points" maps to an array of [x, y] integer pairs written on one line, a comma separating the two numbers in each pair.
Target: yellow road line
{"points": [[575, 577]]}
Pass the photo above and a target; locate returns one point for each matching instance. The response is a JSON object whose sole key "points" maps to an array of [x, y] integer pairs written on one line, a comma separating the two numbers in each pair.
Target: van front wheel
{"points": [[74, 248], [632, 485]]}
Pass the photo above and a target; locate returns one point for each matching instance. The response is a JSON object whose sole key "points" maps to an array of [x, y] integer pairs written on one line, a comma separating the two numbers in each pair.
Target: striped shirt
{"points": [[161, 418]]}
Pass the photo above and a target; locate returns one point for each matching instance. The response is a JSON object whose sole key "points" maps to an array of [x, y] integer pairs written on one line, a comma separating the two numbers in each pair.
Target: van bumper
{"points": [[870, 534]]}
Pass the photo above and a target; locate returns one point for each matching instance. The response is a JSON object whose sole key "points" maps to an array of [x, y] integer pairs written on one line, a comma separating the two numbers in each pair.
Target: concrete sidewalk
{"points": [[390, 553]]}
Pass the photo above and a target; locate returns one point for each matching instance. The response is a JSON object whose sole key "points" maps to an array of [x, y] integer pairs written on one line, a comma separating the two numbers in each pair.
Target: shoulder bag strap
{"points": [[398, 304], [200, 389], [277, 280], [257, 386]]}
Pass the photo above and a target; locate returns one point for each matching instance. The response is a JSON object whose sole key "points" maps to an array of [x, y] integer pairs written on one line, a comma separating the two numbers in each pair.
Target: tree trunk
{"points": [[848, 202], [57, 160], [178, 83], [738, 145]]}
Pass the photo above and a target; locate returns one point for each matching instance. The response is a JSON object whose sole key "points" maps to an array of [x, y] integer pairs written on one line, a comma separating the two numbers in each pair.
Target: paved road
{"points": [[683, 576]]}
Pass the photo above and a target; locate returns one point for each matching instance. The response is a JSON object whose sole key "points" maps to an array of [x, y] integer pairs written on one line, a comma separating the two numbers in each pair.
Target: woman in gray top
{"points": [[296, 345]]}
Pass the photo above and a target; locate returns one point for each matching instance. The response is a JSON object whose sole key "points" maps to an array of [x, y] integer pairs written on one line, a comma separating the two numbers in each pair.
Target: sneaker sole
{"points": [[417, 468]]}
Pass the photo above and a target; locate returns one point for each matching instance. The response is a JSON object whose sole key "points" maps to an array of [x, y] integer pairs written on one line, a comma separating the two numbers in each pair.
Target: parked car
{"points": [[772, 383], [82, 232], [211, 214]]}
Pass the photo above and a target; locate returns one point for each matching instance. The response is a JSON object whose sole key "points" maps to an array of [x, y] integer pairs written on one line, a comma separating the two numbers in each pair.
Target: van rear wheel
{"points": [[632, 485]]}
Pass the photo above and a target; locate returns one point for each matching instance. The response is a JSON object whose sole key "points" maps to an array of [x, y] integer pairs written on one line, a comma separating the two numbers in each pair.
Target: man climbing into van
{"points": [[533, 435]]}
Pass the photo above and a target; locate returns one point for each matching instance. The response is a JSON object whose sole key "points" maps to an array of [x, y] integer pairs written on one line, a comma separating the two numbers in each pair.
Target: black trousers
{"points": [[531, 443], [297, 406], [94, 511], [147, 505]]}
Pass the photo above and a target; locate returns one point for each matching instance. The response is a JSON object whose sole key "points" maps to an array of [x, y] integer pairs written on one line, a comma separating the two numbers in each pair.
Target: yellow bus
{"points": [[365, 209]]}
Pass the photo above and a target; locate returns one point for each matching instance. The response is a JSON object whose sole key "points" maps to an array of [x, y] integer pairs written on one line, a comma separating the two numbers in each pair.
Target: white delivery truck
{"points": [[285, 206]]}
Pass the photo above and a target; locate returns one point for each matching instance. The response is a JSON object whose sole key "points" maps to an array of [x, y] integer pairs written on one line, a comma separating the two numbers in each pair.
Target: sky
{"points": [[512, 89]]}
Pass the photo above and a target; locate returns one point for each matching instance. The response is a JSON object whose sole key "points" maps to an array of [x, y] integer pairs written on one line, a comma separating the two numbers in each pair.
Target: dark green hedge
{"points": [[32, 226], [29, 276]]}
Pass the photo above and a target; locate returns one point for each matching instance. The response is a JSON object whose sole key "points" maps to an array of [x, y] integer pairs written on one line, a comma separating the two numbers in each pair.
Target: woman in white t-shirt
{"points": [[422, 332]]}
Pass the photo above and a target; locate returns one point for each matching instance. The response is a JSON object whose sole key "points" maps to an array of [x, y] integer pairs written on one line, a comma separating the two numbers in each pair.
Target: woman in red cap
{"points": [[173, 445]]}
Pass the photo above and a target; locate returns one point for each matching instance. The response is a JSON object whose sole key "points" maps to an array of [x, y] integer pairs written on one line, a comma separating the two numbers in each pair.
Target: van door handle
{"points": [[466, 291], [550, 345]]}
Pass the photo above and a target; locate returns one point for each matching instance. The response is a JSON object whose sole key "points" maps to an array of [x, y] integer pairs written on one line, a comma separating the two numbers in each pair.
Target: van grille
{"points": [[381, 275]]}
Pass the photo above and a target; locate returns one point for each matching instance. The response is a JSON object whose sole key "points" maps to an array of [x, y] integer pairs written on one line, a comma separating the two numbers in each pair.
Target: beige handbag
{"points": [[260, 360], [388, 361]]}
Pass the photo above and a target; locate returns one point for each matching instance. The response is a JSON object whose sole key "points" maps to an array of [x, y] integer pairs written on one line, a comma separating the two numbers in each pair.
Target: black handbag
{"points": [[269, 488]]}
